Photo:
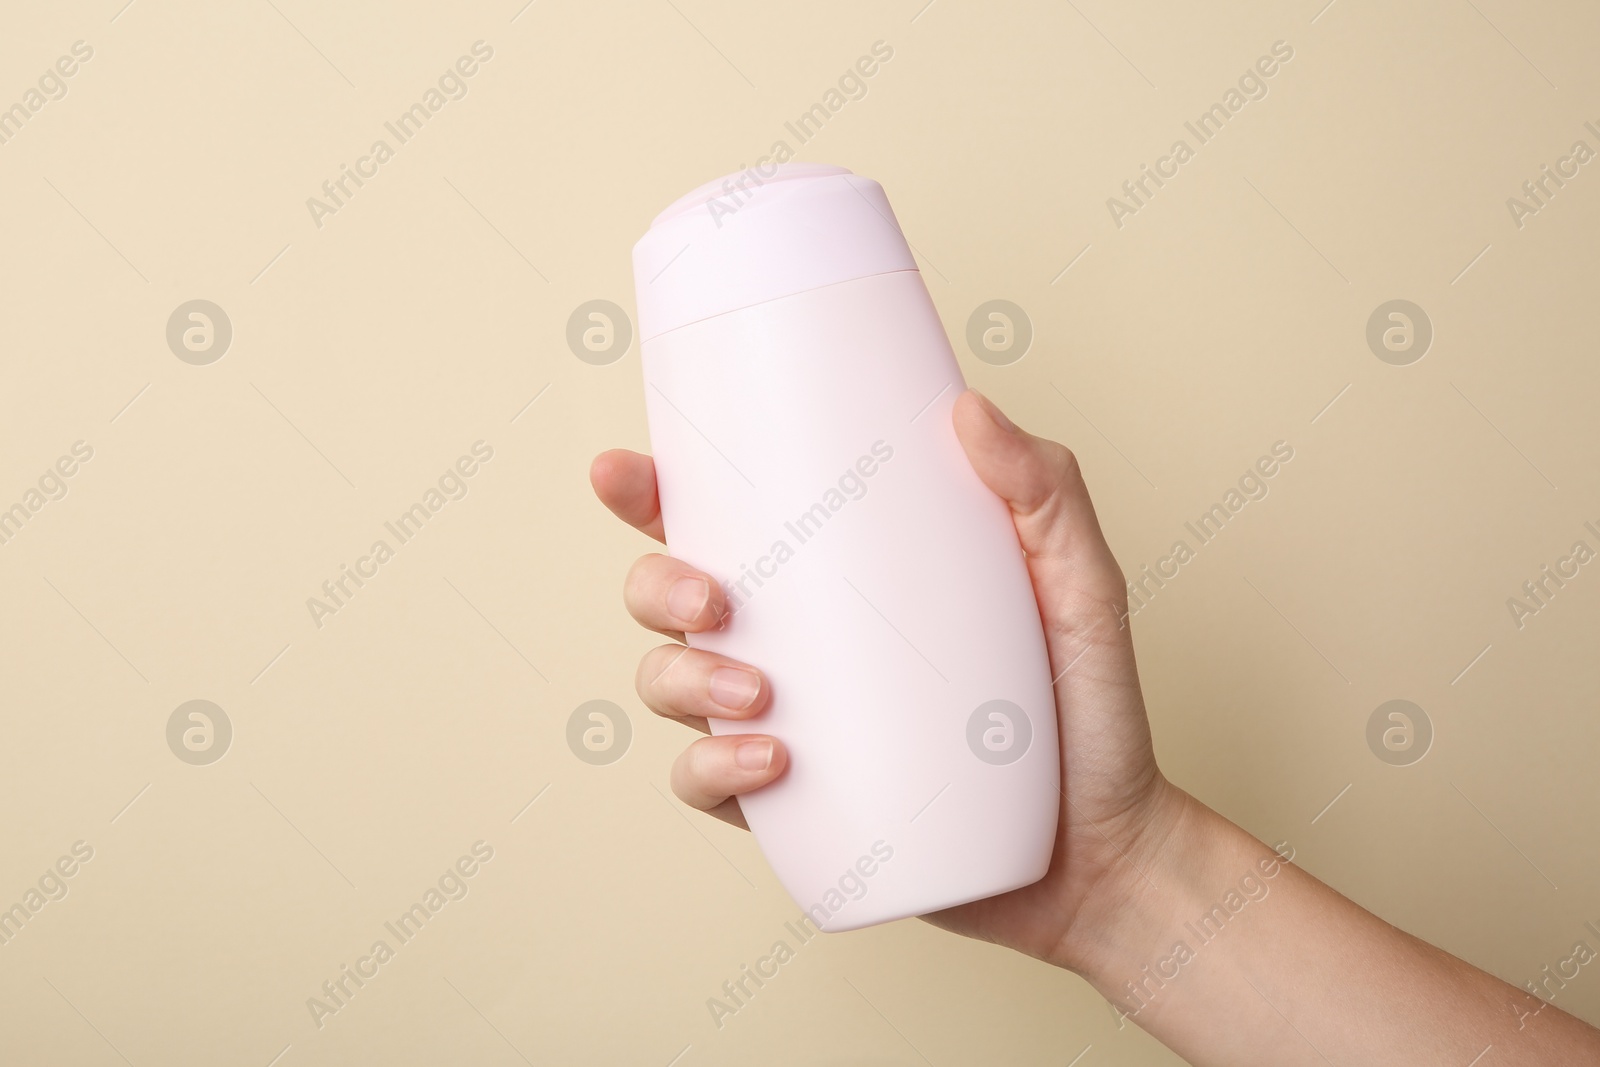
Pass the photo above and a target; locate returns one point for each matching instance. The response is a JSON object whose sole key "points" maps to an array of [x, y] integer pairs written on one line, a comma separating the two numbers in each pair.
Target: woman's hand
{"points": [[1143, 895], [1115, 808]]}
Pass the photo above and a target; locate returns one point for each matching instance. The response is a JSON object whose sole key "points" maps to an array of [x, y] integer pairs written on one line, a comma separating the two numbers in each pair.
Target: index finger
{"points": [[625, 482]]}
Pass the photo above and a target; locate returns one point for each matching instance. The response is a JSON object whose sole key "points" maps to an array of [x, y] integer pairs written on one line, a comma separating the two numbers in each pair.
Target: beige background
{"points": [[367, 355]]}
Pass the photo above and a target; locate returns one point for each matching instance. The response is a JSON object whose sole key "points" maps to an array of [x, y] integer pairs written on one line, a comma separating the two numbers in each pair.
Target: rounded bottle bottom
{"points": [[868, 912]]}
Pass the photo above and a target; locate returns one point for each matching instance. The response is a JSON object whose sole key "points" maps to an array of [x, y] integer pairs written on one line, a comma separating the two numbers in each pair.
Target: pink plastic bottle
{"points": [[799, 386]]}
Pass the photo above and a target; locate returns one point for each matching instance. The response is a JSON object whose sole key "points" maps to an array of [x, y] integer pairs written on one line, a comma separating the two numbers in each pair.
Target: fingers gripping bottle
{"points": [[799, 386]]}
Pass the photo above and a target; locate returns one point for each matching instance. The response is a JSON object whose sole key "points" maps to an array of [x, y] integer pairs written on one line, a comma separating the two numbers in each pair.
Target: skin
{"points": [[1297, 975]]}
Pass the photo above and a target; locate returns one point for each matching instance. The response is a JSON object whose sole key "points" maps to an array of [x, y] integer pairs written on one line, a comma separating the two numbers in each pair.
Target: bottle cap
{"points": [[760, 234]]}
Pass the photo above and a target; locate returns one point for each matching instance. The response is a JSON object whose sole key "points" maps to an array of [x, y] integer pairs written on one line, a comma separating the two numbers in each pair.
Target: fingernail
{"points": [[734, 688], [687, 598], [753, 755], [996, 416]]}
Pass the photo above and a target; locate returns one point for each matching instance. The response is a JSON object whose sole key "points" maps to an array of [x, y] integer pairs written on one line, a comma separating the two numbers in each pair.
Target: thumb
{"points": [[1076, 577]]}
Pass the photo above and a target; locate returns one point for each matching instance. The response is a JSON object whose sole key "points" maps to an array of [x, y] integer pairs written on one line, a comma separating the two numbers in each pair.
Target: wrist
{"points": [[1183, 858], [1119, 906]]}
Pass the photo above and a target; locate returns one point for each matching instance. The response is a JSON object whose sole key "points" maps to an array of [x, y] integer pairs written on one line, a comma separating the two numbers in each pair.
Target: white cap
{"points": [[758, 235]]}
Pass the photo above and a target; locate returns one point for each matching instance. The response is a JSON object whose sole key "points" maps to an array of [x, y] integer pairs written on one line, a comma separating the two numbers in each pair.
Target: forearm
{"points": [[1230, 955]]}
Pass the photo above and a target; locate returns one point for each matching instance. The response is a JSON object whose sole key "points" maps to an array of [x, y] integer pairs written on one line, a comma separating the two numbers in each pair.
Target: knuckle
{"points": [[1061, 479], [644, 675], [650, 680], [639, 573], [1064, 464], [699, 762]]}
